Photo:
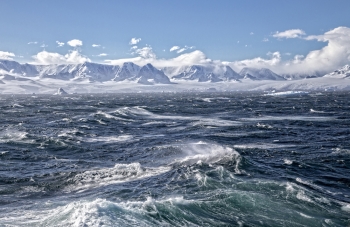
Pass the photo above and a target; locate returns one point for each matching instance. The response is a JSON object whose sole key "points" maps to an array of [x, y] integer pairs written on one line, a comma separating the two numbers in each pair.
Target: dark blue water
{"points": [[207, 159]]}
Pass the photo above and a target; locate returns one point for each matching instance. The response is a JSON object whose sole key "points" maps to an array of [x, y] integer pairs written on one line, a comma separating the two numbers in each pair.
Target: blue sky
{"points": [[226, 30]]}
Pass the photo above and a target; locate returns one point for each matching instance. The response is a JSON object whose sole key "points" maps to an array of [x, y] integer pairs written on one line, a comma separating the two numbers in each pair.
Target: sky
{"points": [[286, 36]]}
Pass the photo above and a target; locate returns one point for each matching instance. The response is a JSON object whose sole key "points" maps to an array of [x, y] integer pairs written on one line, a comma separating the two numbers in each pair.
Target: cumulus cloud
{"points": [[145, 52], [335, 54], [96, 45], [193, 58], [75, 43], [265, 40], [33, 43], [46, 58], [134, 41], [60, 44], [102, 55], [275, 59], [289, 34], [174, 48], [4, 55]]}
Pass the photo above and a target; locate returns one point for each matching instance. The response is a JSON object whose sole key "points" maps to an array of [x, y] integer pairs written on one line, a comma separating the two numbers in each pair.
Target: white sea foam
{"points": [[130, 111], [304, 215], [263, 146], [346, 208], [287, 161], [302, 196], [315, 111], [109, 116], [203, 152], [99, 212], [107, 139], [287, 93], [264, 126], [14, 135], [216, 122], [118, 174], [282, 118]]}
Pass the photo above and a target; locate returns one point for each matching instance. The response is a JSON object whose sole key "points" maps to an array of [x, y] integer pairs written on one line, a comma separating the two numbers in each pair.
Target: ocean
{"points": [[175, 159]]}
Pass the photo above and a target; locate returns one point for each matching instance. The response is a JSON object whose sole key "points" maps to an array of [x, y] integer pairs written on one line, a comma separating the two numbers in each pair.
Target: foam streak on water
{"points": [[208, 159]]}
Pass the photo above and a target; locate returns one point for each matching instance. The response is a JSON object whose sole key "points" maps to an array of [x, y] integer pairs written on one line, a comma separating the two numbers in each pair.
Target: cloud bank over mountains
{"points": [[335, 54]]}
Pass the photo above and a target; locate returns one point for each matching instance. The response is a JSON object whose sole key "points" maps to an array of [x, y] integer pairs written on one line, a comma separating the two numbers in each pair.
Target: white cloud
{"points": [[180, 50], [44, 46], [275, 58], [33, 43], [335, 54], [251, 33], [298, 58], [6, 55], [265, 40], [289, 34], [60, 44], [133, 48], [102, 55], [145, 52], [46, 58], [193, 58], [96, 45], [174, 48], [134, 41], [75, 43]]}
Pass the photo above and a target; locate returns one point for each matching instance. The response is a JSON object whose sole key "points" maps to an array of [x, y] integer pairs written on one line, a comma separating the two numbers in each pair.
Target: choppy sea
{"points": [[186, 159]]}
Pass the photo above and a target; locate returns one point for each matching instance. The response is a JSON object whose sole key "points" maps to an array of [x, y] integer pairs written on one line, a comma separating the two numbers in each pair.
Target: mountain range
{"points": [[147, 74]]}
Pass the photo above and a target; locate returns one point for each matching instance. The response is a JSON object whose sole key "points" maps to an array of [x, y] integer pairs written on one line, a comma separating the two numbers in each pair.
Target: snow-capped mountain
{"points": [[128, 71], [300, 76], [207, 74], [13, 67], [343, 72], [150, 75], [259, 74], [91, 71]]}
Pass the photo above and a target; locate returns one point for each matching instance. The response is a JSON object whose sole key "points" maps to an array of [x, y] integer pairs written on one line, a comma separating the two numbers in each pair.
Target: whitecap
{"points": [[120, 173], [108, 139], [282, 118], [262, 146], [346, 208], [287, 161], [203, 152]]}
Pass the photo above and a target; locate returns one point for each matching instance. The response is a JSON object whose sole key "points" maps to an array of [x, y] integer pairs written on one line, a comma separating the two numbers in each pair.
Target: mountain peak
{"points": [[259, 74], [343, 72]]}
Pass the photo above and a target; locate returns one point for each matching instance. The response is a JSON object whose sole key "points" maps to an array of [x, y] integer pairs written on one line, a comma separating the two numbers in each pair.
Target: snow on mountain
{"points": [[150, 75], [230, 74], [259, 74], [343, 72], [207, 74], [128, 71], [91, 71], [13, 67], [300, 76]]}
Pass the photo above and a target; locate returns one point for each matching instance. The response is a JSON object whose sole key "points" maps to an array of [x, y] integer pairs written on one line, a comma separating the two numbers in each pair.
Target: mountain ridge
{"points": [[148, 74]]}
